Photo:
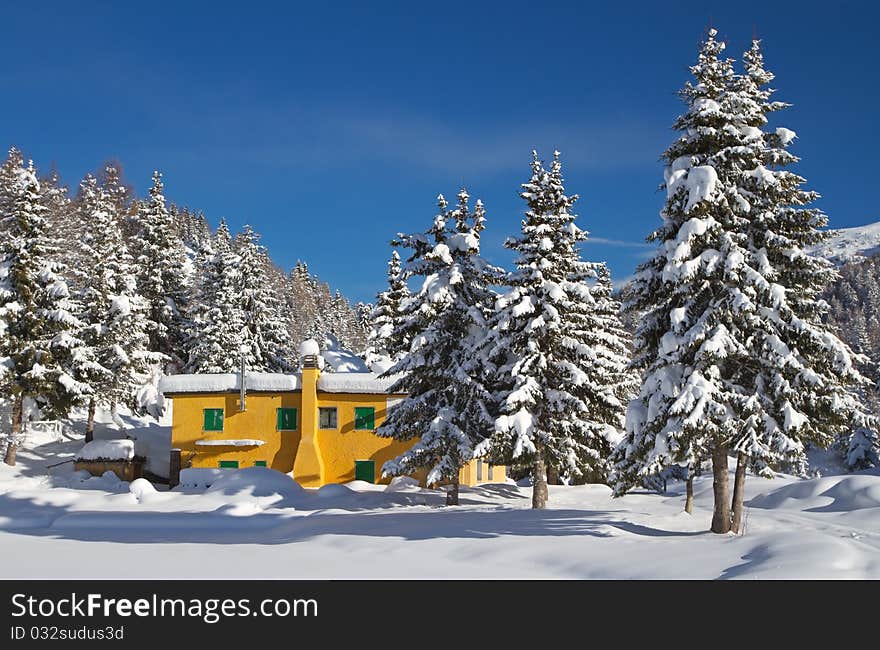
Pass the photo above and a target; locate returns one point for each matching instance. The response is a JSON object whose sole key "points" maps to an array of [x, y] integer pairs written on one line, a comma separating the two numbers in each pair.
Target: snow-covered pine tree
{"points": [[264, 332], [732, 354], [612, 342], [299, 302], [308, 302], [555, 347], [122, 197], [217, 318], [63, 225], [783, 230], [446, 405], [363, 317], [161, 274], [384, 339], [113, 314], [37, 339]]}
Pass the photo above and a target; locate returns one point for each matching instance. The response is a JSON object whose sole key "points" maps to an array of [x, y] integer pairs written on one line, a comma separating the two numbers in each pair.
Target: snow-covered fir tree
{"points": [[313, 311], [217, 318], [63, 225], [301, 302], [343, 324], [122, 197], [384, 339], [789, 225], [38, 342], [446, 407], [732, 350], [363, 315], [162, 275], [113, 314], [264, 333], [556, 348]]}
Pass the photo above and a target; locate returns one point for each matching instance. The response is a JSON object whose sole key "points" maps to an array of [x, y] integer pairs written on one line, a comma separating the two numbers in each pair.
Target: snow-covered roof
{"points": [[339, 358], [331, 382], [107, 450], [228, 382], [355, 382]]}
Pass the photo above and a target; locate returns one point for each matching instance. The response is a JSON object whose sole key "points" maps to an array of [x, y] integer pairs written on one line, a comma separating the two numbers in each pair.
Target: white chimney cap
{"points": [[309, 346]]}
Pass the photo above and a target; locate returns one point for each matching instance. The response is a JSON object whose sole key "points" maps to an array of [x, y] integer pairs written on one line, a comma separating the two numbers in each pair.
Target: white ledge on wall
{"points": [[237, 442]]}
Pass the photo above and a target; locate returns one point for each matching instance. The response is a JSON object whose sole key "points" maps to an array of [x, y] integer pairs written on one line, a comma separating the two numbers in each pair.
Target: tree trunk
{"points": [[689, 498], [739, 484], [452, 493], [721, 515], [539, 480], [552, 475], [90, 424], [12, 446]]}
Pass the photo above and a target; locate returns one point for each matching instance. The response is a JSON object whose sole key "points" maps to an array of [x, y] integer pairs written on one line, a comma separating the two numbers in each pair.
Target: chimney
{"points": [[310, 352]]}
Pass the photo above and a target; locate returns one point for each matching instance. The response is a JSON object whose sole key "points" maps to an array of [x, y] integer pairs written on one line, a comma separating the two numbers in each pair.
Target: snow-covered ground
{"points": [[256, 523], [851, 244]]}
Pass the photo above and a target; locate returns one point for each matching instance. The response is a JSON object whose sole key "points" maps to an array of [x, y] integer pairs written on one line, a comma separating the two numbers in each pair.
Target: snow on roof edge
{"points": [[228, 382], [356, 382], [336, 382]]}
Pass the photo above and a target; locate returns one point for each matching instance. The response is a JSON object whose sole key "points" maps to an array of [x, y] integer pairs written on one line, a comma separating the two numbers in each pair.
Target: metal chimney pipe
{"points": [[242, 397]]}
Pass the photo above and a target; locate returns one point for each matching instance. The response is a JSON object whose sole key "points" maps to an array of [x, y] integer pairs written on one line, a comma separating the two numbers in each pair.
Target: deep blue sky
{"points": [[331, 126]]}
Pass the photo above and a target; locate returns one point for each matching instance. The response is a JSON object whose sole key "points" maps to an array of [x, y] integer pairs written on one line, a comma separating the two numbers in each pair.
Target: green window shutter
{"points": [[228, 464], [364, 418], [259, 463], [286, 419], [213, 419], [365, 470]]}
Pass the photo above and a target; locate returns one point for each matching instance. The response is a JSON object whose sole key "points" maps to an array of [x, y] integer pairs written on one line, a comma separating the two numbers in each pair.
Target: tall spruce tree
{"points": [[447, 406], [556, 347], [732, 351], [122, 197], [217, 318], [112, 312], [384, 339], [38, 342], [162, 276], [264, 333]]}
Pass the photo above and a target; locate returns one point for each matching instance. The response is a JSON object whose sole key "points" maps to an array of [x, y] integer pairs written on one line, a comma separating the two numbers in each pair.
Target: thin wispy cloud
{"points": [[618, 242], [297, 136]]}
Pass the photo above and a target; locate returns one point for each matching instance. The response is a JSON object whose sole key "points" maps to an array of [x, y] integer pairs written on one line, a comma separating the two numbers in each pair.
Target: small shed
{"points": [[117, 456]]}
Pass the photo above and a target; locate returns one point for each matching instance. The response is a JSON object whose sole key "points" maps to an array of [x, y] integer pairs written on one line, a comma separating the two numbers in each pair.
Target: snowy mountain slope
{"points": [[851, 244]]}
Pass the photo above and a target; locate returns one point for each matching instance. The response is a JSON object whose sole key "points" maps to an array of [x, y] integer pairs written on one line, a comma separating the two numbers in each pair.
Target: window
{"points": [[479, 470], [259, 463], [213, 419], [327, 417], [286, 419], [365, 470], [490, 472], [364, 418], [228, 464]]}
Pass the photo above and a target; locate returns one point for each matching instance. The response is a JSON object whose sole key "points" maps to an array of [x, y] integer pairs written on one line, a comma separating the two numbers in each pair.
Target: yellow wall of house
{"points": [[341, 447], [258, 422], [314, 456], [469, 474]]}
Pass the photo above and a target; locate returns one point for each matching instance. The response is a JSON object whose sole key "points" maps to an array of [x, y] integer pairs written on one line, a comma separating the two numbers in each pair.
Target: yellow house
{"points": [[319, 427]]}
